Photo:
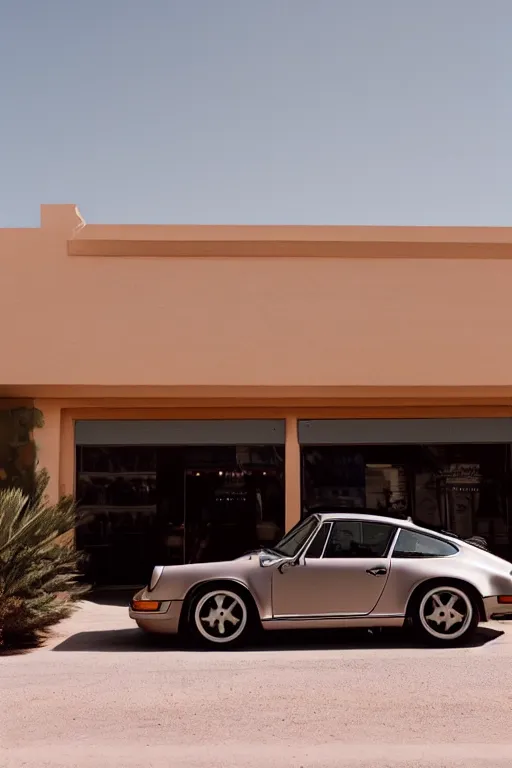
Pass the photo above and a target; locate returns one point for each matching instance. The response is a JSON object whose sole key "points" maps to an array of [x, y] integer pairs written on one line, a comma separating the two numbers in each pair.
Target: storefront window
{"points": [[116, 491], [142, 506], [460, 488]]}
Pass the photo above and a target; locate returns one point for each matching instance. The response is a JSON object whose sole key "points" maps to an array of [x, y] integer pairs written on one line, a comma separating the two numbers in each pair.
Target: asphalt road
{"points": [[101, 695]]}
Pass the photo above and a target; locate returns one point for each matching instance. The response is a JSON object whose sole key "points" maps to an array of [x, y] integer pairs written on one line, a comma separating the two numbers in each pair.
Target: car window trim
{"points": [[393, 542], [326, 539], [297, 525], [390, 545], [328, 524], [427, 536], [302, 553]]}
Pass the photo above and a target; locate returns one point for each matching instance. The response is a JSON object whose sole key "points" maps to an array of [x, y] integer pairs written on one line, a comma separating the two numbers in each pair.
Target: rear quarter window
{"points": [[411, 544]]}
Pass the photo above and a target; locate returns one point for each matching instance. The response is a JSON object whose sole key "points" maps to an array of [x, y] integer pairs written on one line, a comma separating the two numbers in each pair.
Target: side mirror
{"points": [[288, 564]]}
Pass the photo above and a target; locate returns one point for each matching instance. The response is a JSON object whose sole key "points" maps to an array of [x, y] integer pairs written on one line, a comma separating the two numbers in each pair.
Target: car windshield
{"points": [[295, 539]]}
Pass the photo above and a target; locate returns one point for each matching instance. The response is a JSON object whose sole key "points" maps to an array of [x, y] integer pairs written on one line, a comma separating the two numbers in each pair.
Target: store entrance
{"points": [[139, 506], [230, 511]]}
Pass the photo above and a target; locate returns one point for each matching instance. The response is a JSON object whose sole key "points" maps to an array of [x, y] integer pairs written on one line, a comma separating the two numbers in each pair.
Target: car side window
{"points": [[316, 547], [415, 545], [351, 538]]}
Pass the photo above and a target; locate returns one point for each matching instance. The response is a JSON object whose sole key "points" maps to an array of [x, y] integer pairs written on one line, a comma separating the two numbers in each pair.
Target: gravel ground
{"points": [[101, 694]]}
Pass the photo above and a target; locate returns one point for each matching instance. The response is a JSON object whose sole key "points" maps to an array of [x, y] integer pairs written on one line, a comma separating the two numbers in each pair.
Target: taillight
{"points": [[505, 599]]}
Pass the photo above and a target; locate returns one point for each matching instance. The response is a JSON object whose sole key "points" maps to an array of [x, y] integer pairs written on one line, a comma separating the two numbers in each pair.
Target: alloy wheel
{"points": [[446, 613], [221, 616]]}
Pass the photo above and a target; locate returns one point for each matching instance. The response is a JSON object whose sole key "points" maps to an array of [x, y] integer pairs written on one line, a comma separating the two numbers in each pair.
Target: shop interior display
{"points": [[139, 506], [460, 488], [142, 505]]}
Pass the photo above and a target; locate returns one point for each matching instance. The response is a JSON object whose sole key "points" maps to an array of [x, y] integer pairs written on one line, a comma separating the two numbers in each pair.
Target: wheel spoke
{"points": [[454, 617], [228, 616], [211, 619], [219, 600], [437, 600], [451, 602]]}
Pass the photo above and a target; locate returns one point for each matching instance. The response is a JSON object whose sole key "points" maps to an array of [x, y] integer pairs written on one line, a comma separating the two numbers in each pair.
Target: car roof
{"points": [[325, 517], [408, 523]]}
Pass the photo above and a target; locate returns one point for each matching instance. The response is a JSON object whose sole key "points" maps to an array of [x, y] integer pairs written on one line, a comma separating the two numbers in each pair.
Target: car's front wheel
{"points": [[444, 615], [220, 617]]}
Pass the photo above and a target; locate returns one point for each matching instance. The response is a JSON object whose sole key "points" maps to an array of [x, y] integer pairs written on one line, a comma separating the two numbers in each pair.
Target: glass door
{"points": [[229, 512], [219, 516]]}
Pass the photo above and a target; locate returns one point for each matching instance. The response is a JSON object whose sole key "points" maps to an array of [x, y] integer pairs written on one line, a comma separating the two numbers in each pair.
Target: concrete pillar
{"points": [[67, 454], [292, 473], [48, 445]]}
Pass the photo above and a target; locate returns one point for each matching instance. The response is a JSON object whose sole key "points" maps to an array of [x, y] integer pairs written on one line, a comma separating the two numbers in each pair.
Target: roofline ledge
{"points": [[288, 241]]}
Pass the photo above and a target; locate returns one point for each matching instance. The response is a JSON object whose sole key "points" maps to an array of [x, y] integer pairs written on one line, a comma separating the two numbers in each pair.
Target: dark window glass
{"points": [[293, 542], [118, 460], [412, 544], [316, 547], [463, 488], [357, 539]]}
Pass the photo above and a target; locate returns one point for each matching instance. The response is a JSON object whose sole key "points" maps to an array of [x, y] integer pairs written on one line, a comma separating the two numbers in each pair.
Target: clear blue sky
{"points": [[257, 111]]}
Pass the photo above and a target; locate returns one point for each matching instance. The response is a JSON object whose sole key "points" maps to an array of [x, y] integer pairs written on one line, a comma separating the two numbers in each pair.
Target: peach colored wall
{"points": [[248, 321]]}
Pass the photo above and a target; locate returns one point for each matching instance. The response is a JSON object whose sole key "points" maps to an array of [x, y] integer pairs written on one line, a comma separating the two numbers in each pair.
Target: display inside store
{"points": [[141, 505], [460, 488]]}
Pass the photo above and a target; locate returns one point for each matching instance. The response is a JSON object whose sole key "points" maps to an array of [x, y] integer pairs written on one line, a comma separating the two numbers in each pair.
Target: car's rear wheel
{"points": [[444, 614], [221, 617]]}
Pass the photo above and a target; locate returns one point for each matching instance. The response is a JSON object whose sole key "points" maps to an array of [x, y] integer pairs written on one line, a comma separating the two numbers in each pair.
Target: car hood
{"points": [[176, 580], [216, 564]]}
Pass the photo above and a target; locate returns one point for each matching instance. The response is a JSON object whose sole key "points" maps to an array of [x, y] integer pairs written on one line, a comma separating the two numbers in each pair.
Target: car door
{"points": [[343, 572]]}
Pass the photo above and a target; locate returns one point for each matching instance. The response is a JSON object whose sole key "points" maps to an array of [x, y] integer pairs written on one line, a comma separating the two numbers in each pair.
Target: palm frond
{"points": [[39, 578]]}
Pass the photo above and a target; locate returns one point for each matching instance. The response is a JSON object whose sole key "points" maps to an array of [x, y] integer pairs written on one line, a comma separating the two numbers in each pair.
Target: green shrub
{"points": [[38, 573]]}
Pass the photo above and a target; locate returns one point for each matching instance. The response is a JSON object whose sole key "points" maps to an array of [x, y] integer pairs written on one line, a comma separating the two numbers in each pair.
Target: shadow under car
{"points": [[136, 641]]}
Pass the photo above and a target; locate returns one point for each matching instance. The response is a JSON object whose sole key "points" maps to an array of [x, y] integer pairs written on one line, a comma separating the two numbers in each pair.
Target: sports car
{"points": [[333, 570]]}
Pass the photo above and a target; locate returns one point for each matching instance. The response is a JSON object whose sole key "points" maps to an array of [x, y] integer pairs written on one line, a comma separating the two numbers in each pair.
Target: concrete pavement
{"points": [[101, 695]]}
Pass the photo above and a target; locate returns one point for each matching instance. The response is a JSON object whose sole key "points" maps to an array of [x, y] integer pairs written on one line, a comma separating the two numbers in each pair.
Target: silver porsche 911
{"points": [[334, 570]]}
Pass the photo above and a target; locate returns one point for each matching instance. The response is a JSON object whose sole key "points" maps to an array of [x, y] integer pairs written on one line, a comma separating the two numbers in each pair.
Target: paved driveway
{"points": [[101, 695]]}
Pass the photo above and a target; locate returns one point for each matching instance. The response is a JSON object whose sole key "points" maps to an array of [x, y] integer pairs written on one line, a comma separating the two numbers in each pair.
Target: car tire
{"points": [[444, 614], [221, 617]]}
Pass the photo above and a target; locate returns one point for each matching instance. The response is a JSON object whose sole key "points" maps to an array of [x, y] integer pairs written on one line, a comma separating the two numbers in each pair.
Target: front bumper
{"points": [[165, 621], [495, 610]]}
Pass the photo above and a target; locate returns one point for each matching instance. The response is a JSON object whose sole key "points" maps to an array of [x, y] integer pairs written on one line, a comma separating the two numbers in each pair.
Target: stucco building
{"points": [[203, 387]]}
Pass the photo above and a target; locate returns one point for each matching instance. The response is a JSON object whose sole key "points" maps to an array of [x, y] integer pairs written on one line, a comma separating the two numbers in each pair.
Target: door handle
{"points": [[377, 571]]}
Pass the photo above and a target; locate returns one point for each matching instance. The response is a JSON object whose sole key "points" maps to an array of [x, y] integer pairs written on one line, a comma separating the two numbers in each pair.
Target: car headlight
{"points": [[155, 577]]}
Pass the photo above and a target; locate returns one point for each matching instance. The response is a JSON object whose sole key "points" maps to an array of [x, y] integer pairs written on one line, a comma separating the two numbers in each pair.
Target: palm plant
{"points": [[38, 572]]}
